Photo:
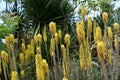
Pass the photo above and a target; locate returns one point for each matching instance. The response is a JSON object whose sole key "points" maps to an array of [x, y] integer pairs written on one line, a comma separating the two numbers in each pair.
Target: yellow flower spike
{"points": [[52, 47], [83, 12], [94, 28], [8, 42], [14, 75], [110, 34], [4, 57], [38, 50], [110, 56], [52, 28], [39, 38], [39, 67], [32, 48], [21, 56], [67, 40], [23, 47], [116, 27], [45, 67], [11, 39], [101, 47], [98, 35], [89, 24], [80, 32], [56, 38], [44, 34], [65, 61], [59, 34], [65, 78], [88, 55], [22, 73], [105, 17], [81, 56]]}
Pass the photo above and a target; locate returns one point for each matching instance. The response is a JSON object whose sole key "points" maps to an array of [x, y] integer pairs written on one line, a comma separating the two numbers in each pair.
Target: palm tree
{"points": [[44, 11]]}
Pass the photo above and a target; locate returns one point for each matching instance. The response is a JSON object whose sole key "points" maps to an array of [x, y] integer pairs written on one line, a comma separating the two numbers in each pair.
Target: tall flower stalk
{"points": [[52, 28]]}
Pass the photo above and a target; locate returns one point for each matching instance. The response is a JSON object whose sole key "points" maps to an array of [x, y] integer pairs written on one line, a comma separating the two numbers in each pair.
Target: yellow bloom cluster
{"points": [[65, 61], [89, 24], [83, 12], [101, 50], [44, 34], [105, 17], [81, 56], [80, 32], [67, 39], [116, 27], [10, 41], [98, 34], [14, 75], [4, 57], [52, 28], [110, 34], [41, 67]]}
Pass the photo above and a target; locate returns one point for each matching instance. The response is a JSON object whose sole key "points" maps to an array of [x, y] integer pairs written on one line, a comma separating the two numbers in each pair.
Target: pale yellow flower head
{"points": [[80, 32], [8, 42], [52, 28], [45, 67], [83, 12], [44, 34], [101, 47], [39, 38], [14, 75], [11, 39], [81, 56], [21, 56], [110, 34], [22, 73], [56, 38], [105, 17], [67, 39], [4, 56], [65, 78], [98, 34], [89, 24], [116, 27]]}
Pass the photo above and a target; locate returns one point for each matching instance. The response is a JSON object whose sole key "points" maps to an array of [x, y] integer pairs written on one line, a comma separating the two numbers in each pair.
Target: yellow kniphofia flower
{"points": [[14, 75], [80, 32], [101, 47], [52, 28], [45, 67], [98, 34], [22, 73], [44, 34], [83, 12], [116, 27], [110, 34], [81, 56], [105, 17], [39, 38], [89, 24], [67, 39], [56, 38], [21, 56]]}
